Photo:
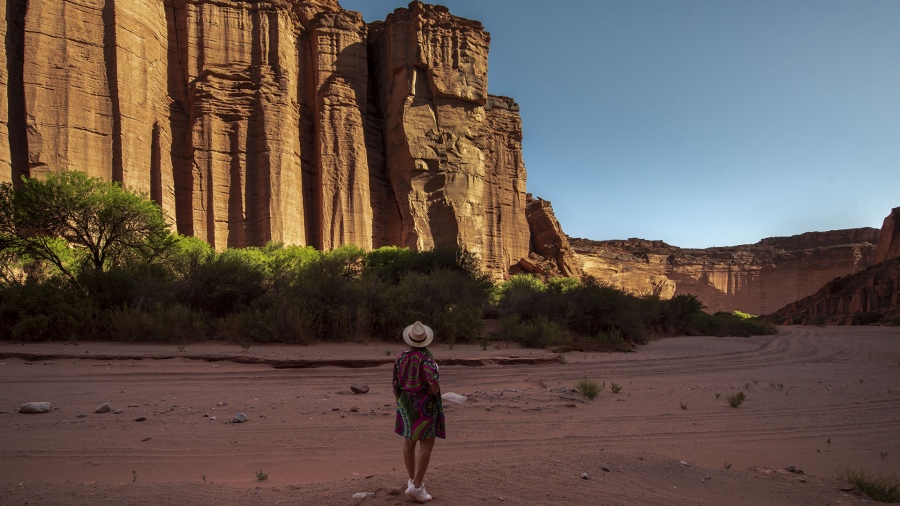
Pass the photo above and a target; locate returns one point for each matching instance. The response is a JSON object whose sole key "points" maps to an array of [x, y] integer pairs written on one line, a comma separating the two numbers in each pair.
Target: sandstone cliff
{"points": [[284, 120], [756, 279], [862, 297], [889, 240]]}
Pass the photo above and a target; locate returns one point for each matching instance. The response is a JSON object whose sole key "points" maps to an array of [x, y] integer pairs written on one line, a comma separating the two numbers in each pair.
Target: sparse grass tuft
{"points": [[736, 399], [728, 465], [718, 395], [589, 388], [879, 488], [883, 455], [261, 476], [615, 388], [683, 405], [134, 476], [203, 477]]}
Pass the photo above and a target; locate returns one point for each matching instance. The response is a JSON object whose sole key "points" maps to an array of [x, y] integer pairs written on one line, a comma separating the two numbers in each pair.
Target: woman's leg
{"points": [[409, 457], [421, 463]]}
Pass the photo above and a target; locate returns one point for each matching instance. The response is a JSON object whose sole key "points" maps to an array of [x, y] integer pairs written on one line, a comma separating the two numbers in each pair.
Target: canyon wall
{"points": [[757, 279], [867, 296], [275, 120]]}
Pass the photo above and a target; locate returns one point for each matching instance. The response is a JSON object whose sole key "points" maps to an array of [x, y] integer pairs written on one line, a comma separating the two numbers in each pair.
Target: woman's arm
{"points": [[435, 388]]}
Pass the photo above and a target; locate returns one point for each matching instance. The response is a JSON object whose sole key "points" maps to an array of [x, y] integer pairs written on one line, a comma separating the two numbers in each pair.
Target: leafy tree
{"points": [[72, 221]]}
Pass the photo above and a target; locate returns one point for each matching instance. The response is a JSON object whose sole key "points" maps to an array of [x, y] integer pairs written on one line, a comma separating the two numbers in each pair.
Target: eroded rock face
{"points": [[431, 75], [551, 252], [889, 239], [272, 120], [757, 279], [863, 297]]}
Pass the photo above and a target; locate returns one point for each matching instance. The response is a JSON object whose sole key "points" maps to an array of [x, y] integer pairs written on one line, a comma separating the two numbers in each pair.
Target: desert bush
{"points": [[867, 318], [615, 388], [727, 324], [589, 388], [157, 322], [50, 309], [520, 295], [539, 332], [450, 301], [678, 313], [735, 400], [879, 488], [612, 338], [391, 264], [222, 284]]}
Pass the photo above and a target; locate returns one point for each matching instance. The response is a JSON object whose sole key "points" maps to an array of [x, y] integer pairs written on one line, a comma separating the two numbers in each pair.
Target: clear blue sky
{"points": [[700, 123]]}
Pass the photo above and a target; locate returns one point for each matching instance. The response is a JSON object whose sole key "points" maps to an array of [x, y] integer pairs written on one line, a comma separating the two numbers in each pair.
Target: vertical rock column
{"points": [[431, 71], [67, 99], [142, 135], [241, 79], [341, 101], [506, 233]]}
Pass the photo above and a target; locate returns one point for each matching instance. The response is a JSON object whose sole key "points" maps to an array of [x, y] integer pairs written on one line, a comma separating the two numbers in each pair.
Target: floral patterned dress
{"points": [[420, 414]]}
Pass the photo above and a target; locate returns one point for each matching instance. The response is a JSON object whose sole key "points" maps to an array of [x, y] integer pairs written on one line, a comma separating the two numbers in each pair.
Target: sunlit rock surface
{"points": [[757, 279], [273, 120]]}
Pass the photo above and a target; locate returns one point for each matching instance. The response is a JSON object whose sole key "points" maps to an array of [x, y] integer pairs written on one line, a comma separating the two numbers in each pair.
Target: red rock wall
{"points": [[757, 279], [507, 235], [291, 121], [889, 240]]}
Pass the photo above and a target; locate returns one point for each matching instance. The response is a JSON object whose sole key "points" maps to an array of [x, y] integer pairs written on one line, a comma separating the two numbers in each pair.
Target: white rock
{"points": [[454, 398], [239, 418], [103, 408], [362, 495]]}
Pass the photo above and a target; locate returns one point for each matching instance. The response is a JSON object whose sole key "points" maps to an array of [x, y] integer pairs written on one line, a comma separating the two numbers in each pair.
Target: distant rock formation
{"points": [[551, 255], [862, 297], [273, 120], [889, 240], [756, 279]]}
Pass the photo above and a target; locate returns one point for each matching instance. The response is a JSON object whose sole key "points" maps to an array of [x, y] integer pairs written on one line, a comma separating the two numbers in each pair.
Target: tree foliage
{"points": [[72, 220]]}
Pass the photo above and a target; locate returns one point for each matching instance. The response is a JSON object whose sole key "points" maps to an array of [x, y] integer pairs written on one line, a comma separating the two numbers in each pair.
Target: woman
{"points": [[420, 416]]}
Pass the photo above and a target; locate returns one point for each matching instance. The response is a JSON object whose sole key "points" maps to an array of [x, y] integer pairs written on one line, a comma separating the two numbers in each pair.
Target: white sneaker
{"points": [[419, 494], [409, 486]]}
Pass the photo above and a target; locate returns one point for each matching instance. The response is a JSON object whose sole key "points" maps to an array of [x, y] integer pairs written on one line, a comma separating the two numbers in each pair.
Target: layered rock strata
{"points": [[756, 279], [274, 120], [862, 297]]}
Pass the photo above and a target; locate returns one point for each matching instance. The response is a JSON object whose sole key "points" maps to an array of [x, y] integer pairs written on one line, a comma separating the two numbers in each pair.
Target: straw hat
{"points": [[418, 335]]}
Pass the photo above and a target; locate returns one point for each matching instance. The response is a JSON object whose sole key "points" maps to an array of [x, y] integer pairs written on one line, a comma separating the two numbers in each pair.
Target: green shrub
{"points": [[589, 388], [156, 322], [736, 399], [867, 318], [223, 284], [879, 488], [727, 324], [612, 338], [537, 333], [50, 309]]}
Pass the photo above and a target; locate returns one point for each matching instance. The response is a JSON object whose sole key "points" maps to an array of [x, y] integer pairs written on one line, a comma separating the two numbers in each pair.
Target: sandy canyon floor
{"points": [[817, 399]]}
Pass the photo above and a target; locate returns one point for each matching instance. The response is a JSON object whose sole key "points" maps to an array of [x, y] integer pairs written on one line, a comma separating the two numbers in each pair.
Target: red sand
{"points": [[818, 399]]}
